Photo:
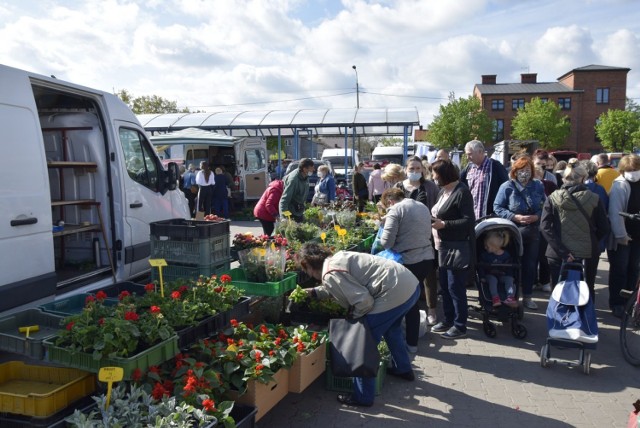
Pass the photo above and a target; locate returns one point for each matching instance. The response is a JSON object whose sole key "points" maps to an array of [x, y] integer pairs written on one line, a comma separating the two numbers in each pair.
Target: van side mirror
{"points": [[173, 175]]}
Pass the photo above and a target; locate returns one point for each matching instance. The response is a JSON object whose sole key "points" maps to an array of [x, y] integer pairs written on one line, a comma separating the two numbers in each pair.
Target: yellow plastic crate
{"points": [[41, 391]]}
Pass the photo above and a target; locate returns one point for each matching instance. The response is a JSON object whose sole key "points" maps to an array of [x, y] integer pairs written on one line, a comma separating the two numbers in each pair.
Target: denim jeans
{"points": [[624, 270], [454, 297], [529, 264], [386, 324]]}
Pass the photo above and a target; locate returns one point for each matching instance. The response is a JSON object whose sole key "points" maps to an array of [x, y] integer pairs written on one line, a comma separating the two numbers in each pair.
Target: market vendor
{"points": [[381, 290]]}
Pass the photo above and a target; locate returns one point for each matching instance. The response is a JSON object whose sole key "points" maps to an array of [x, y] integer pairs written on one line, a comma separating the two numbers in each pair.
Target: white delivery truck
{"points": [[244, 158], [337, 159], [384, 155], [80, 185]]}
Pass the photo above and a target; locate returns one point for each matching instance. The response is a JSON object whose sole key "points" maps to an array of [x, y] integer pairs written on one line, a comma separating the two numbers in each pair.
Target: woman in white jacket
{"points": [[624, 242]]}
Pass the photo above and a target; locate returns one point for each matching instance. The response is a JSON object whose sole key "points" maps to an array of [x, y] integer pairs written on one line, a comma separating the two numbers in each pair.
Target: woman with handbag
{"points": [[520, 200], [574, 220], [453, 225], [325, 190], [380, 291], [407, 231]]}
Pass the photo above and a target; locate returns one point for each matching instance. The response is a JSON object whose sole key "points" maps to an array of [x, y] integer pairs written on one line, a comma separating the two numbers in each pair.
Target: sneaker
{"points": [[528, 303], [441, 327], [432, 317], [412, 349], [350, 401], [495, 301], [511, 302], [454, 333], [547, 288]]}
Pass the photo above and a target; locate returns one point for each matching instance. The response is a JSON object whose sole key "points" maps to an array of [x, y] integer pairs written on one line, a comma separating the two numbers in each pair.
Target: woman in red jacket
{"points": [[267, 209]]}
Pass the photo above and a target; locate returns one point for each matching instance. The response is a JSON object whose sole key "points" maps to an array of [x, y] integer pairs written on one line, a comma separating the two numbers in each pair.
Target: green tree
{"points": [[618, 130], [542, 121], [150, 103], [460, 121]]}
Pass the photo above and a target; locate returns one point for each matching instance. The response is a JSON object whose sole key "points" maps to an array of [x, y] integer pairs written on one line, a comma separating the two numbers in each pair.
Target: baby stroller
{"points": [[503, 313], [571, 318]]}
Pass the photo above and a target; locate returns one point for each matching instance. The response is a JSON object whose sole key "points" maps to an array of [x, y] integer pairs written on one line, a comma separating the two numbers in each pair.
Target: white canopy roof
{"points": [[323, 122]]}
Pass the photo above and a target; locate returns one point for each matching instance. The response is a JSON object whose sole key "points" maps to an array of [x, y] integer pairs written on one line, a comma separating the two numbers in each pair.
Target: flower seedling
{"points": [[110, 375], [323, 236]]}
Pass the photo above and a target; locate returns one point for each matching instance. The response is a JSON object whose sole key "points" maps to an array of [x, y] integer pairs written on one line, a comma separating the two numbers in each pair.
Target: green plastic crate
{"points": [[367, 243], [12, 340], [270, 289], [152, 356], [345, 384], [72, 305]]}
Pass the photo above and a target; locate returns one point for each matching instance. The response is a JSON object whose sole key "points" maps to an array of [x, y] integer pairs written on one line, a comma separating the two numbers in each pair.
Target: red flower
{"points": [[123, 295], [155, 309], [282, 333], [240, 356], [150, 288], [159, 391], [272, 353], [300, 347], [225, 279], [230, 341], [101, 321], [89, 299], [209, 405], [264, 329], [259, 367], [234, 323], [314, 336], [136, 375], [154, 369], [277, 341], [175, 295], [183, 288], [131, 316], [214, 277], [70, 325], [101, 295]]}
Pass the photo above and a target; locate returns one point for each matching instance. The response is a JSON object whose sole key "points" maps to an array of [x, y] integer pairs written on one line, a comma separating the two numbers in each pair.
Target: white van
{"points": [[244, 158], [384, 155], [80, 185], [337, 159]]}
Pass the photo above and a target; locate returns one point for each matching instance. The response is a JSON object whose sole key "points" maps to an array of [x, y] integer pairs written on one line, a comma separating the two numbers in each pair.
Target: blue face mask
{"points": [[414, 176]]}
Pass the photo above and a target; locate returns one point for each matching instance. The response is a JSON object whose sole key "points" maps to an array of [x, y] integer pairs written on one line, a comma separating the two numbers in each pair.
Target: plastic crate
{"points": [[174, 272], [41, 391], [180, 229], [345, 384], [152, 356], [12, 340], [239, 310], [367, 243], [270, 289], [114, 290], [195, 252], [57, 420], [205, 328], [244, 416], [311, 318], [72, 305]]}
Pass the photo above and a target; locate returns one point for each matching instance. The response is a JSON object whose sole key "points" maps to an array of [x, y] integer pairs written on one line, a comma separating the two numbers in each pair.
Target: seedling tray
{"points": [[12, 340]]}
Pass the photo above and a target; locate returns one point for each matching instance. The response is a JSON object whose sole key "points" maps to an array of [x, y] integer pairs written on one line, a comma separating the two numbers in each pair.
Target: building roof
{"points": [[524, 88], [595, 67], [323, 122]]}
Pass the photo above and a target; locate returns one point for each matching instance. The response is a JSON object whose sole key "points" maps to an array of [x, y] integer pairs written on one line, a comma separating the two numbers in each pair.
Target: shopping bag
{"points": [[353, 350]]}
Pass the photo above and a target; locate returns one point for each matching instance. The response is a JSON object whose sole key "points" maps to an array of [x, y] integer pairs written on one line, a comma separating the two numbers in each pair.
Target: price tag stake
{"points": [[159, 263], [110, 375]]}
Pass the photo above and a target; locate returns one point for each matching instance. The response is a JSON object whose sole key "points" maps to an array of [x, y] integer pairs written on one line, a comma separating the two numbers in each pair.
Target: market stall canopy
{"points": [[265, 123], [192, 136]]}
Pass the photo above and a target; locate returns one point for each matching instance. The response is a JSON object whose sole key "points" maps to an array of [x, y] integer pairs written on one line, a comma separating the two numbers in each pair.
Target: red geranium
{"points": [[209, 405], [89, 299], [124, 294], [70, 325], [175, 295], [225, 279], [234, 323], [150, 288], [131, 316], [155, 309], [101, 295]]}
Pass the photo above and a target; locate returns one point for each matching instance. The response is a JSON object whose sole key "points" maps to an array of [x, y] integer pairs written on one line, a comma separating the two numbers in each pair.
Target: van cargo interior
{"points": [[76, 161]]}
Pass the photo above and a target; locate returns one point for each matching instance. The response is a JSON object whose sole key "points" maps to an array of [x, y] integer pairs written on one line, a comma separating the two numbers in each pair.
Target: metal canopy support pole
{"points": [[346, 145], [406, 145], [295, 144], [310, 136], [279, 154], [353, 154]]}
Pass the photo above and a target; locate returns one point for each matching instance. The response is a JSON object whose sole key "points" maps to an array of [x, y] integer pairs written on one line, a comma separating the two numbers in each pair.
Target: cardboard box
{"points": [[306, 369], [264, 396]]}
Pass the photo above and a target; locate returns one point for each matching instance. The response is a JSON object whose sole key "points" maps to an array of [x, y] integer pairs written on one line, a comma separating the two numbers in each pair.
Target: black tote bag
{"points": [[353, 350]]}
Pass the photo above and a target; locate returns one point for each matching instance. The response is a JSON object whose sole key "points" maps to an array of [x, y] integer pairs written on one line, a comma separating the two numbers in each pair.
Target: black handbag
{"points": [[353, 350], [455, 255]]}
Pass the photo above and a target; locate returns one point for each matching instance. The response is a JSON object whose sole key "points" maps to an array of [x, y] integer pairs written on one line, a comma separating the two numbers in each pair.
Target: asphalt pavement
{"points": [[479, 381]]}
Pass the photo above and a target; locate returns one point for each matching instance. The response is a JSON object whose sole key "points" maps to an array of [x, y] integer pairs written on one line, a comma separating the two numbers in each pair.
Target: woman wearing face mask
{"points": [[520, 200], [624, 241], [325, 187], [416, 187]]}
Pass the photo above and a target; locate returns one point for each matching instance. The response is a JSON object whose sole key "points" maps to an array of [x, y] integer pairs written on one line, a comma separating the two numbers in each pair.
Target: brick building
{"points": [[583, 93]]}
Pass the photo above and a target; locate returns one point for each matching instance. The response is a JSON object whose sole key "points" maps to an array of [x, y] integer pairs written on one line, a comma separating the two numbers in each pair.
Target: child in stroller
{"points": [[495, 270]]}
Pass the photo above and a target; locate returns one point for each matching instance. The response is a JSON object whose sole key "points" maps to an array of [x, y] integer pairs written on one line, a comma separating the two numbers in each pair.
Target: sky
{"points": [[243, 55]]}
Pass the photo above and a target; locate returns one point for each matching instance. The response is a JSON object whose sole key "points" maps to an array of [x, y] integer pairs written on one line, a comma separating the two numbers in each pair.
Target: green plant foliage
{"points": [[460, 121], [619, 130], [543, 121]]}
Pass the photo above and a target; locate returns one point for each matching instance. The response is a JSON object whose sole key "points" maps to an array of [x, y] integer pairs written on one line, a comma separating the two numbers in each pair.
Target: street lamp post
{"points": [[357, 87]]}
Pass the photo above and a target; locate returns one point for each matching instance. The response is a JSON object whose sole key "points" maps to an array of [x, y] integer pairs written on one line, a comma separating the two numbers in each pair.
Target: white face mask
{"points": [[321, 174], [414, 176], [632, 176], [309, 174]]}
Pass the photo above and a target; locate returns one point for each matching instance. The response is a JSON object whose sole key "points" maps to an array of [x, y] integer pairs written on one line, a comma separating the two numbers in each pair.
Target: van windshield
{"points": [[338, 161], [389, 158]]}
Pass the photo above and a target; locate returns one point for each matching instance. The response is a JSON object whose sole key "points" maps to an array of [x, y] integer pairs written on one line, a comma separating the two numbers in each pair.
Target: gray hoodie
{"points": [[367, 283]]}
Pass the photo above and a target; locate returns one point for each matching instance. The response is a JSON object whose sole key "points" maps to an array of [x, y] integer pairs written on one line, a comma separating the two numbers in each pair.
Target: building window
{"points": [[498, 130], [602, 96], [497, 105], [517, 103], [564, 103], [544, 100]]}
